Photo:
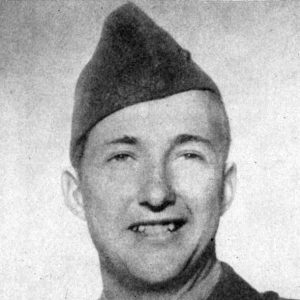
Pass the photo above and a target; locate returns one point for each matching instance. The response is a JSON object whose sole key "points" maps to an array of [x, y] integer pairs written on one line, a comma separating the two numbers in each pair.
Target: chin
{"points": [[156, 272], [155, 280], [169, 270]]}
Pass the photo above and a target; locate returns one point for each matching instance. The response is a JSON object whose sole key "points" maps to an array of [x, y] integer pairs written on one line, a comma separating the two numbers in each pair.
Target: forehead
{"points": [[192, 112]]}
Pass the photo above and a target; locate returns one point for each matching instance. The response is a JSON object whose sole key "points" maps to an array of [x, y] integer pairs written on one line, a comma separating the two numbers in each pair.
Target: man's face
{"points": [[152, 184]]}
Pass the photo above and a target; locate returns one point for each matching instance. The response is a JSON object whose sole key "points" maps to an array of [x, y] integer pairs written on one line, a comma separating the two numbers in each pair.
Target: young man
{"points": [[150, 139]]}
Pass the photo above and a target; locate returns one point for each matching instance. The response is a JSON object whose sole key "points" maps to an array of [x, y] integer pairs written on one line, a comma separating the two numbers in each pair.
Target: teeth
{"points": [[141, 228], [171, 227], [154, 229]]}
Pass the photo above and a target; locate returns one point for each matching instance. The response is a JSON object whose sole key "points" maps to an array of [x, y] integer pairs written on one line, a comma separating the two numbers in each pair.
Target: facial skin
{"points": [[153, 186]]}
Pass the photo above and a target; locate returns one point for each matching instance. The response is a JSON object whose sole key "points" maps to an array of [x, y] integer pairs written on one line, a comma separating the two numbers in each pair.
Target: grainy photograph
{"points": [[149, 150]]}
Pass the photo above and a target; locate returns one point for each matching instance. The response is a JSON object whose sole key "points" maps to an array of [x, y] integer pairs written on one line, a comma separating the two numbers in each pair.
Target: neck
{"points": [[198, 286]]}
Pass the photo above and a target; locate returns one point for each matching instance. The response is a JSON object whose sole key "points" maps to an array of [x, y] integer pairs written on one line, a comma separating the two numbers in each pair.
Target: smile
{"points": [[157, 228]]}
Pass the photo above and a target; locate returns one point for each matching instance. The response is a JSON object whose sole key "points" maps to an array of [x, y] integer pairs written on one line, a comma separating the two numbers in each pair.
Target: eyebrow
{"points": [[128, 140], [190, 138], [179, 140]]}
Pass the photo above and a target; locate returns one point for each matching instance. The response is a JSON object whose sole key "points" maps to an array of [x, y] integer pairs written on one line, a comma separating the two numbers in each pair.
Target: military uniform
{"points": [[137, 61], [232, 287]]}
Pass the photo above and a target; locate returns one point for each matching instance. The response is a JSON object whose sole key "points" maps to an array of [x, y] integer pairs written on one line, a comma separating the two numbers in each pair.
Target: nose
{"points": [[157, 192]]}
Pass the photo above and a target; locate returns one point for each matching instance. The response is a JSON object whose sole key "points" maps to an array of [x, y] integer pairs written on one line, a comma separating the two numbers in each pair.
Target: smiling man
{"points": [[150, 140]]}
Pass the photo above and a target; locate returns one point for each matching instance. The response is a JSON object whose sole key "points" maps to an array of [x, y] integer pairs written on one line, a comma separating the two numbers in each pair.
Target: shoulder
{"points": [[232, 286]]}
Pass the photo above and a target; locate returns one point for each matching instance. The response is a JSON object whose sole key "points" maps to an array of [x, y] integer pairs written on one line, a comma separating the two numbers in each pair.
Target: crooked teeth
{"points": [[141, 228], [154, 229], [171, 227]]}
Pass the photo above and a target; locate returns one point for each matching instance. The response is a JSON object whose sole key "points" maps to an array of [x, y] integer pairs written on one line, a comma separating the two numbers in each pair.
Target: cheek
{"points": [[109, 194], [198, 182], [201, 188]]}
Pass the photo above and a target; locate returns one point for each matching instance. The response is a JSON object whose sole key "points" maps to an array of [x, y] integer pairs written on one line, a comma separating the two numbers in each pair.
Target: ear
{"points": [[229, 187], [72, 194]]}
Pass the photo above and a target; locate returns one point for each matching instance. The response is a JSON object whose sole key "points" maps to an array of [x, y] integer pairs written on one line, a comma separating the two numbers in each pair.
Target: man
{"points": [[150, 140]]}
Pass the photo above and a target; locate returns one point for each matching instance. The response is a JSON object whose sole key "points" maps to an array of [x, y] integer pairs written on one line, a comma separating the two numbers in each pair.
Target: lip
{"points": [[157, 232], [177, 221]]}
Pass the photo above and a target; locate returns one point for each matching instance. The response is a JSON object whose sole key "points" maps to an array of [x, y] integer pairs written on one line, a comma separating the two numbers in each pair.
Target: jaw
{"points": [[156, 263], [161, 280], [142, 261]]}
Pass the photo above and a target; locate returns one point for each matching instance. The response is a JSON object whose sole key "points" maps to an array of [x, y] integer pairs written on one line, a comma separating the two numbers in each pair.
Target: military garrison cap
{"points": [[135, 61]]}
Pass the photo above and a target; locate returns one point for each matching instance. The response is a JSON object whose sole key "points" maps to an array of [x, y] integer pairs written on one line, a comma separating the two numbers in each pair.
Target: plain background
{"points": [[251, 49]]}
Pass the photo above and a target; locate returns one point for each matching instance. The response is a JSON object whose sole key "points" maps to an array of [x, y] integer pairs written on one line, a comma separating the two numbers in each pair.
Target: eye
{"points": [[120, 157], [192, 155]]}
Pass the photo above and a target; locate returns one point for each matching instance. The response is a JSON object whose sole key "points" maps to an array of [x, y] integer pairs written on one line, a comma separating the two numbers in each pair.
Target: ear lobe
{"points": [[229, 187], [72, 194]]}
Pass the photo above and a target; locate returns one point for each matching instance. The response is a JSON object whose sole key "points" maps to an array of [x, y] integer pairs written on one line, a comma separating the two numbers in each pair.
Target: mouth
{"points": [[157, 228]]}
